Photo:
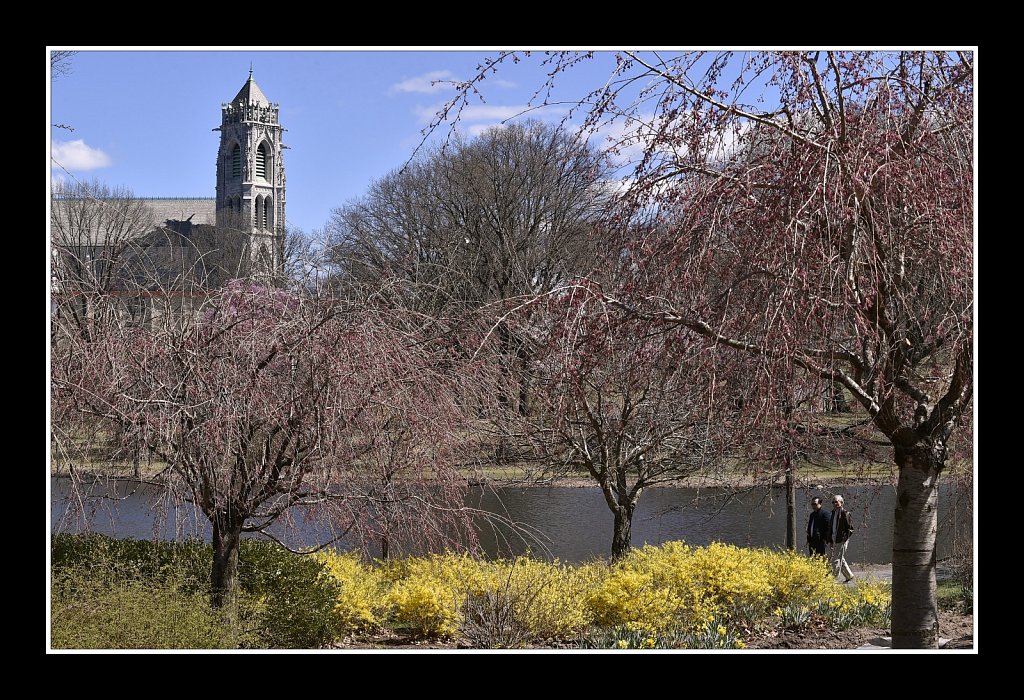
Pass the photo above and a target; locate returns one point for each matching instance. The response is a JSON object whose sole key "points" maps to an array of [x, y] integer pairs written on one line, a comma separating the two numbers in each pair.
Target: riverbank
{"points": [[506, 476]]}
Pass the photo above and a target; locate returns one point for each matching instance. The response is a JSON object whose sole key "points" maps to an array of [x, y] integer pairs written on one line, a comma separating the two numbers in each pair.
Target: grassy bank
{"points": [[808, 475], [134, 594]]}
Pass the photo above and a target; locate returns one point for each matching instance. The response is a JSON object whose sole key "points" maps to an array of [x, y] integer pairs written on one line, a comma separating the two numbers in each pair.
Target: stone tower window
{"points": [[268, 212], [236, 161], [261, 161]]}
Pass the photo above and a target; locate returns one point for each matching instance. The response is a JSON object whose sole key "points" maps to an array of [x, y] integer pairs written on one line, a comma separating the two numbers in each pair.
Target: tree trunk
{"points": [[790, 508], [227, 535], [622, 537], [524, 393], [915, 621]]}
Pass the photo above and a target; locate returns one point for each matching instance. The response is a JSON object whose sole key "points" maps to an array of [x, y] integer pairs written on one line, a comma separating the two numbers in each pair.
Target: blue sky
{"points": [[144, 119]]}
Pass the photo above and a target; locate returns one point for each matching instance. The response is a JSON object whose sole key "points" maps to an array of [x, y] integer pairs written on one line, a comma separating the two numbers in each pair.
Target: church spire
{"points": [[250, 178], [251, 94]]}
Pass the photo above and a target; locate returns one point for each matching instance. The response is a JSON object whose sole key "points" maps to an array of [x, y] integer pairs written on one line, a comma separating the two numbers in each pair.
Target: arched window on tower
{"points": [[259, 211], [261, 161], [236, 161], [268, 213]]}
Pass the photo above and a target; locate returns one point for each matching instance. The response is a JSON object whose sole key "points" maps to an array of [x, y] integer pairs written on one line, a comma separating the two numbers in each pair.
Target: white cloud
{"points": [[425, 83], [504, 83], [493, 114], [475, 130], [77, 155], [478, 113]]}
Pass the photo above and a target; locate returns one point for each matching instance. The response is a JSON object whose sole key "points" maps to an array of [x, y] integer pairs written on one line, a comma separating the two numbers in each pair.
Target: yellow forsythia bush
{"points": [[631, 598], [427, 593], [362, 603], [656, 588], [550, 599], [798, 579], [651, 590]]}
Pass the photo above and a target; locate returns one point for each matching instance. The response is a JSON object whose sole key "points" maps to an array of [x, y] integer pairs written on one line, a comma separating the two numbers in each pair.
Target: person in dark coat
{"points": [[817, 529], [839, 531]]}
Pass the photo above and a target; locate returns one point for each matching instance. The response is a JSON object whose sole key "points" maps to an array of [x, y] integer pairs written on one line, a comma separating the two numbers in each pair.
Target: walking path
{"points": [[879, 572]]}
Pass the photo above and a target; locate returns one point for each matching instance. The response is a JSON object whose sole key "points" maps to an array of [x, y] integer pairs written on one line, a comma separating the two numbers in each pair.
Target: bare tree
{"points": [[60, 66], [94, 242], [60, 63], [505, 214], [509, 213]]}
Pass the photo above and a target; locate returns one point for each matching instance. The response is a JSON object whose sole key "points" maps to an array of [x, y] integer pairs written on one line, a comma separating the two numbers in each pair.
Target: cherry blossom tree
{"points": [[263, 403], [817, 212], [616, 401]]}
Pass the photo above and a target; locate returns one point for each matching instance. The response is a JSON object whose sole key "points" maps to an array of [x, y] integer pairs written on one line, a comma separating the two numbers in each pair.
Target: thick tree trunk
{"points": [[227, 535], [622, 536], [915, 621]]}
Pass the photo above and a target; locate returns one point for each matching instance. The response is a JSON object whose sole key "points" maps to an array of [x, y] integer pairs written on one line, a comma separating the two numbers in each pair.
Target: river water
{"points": [[573, 524]]}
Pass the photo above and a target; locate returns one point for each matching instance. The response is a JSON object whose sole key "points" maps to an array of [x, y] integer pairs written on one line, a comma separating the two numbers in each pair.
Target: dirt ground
{"points": [[957, 628]]}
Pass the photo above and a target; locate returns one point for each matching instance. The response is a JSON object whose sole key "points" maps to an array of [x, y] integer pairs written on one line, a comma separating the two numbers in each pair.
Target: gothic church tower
{"points": [[250, 179]]}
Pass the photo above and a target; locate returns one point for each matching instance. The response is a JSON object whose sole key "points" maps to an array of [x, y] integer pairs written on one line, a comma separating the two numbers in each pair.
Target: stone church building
{"points": [[164, 254]]}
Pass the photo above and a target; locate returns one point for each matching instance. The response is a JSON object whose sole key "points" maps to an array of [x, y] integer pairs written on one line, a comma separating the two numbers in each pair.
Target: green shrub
{"points": [[132, 615], [185, 564], [293, 596], [286, 600]]}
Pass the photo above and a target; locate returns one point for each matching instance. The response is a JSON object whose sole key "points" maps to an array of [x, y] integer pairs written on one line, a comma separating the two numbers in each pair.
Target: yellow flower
{"points": [[721, 630], [622, 644]]}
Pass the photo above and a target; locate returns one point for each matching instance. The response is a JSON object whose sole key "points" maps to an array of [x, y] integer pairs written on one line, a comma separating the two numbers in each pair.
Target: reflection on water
{"points": [[573, 524]]}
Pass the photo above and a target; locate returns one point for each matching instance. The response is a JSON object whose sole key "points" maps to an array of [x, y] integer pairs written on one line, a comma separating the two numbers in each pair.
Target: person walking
{"points": [[839, 531], [817, 529]]}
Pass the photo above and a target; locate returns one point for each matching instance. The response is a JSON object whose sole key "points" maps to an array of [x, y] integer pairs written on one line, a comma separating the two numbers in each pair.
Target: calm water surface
{"points": [[573, 524]]}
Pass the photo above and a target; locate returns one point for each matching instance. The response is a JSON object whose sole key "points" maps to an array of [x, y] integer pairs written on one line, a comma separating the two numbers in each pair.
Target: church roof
{"points": [[87, 227], [200, 210], [251, 93]]}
